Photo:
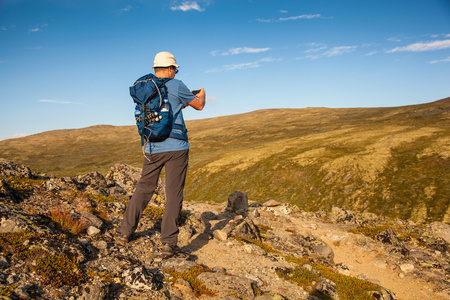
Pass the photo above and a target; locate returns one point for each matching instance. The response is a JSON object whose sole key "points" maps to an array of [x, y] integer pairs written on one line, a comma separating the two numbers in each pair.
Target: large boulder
{"points": [[237, 203]]}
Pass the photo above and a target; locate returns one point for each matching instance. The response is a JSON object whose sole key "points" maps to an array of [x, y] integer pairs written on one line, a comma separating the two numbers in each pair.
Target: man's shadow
{"points": [[203, 238]]}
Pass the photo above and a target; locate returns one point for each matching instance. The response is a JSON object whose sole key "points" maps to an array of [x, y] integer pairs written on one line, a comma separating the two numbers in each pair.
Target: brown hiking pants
{"points": [[176, 163]]}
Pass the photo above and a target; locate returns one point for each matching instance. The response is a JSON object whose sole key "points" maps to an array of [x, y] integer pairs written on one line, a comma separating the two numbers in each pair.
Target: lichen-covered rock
{"points": [[93, 183], [91, 219], [9, 168], [388, 237], [340, 215], [315, 245], [241, 227], [439, 229], [384, 294], [327, 289], [94, 291], [196, 222], [7, 193], [226, 285], [140, 279], [435, 243], [125, 176]]}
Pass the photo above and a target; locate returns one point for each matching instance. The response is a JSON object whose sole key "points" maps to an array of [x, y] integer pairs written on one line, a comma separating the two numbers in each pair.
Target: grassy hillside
{"points": [[392, 161]]}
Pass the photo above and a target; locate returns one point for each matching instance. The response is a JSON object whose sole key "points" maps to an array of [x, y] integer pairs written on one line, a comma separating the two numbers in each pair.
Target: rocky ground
{"points": [[57, 242]]}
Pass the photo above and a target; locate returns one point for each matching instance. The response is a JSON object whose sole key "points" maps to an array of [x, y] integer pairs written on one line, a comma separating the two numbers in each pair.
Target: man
{"points": [[172, 154]]}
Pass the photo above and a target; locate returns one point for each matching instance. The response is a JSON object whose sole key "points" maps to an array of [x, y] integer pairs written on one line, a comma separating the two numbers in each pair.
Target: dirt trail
{"points": [[360, 254]]}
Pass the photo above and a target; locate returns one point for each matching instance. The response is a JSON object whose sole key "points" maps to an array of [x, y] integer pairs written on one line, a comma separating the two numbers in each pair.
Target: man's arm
{"points": [[199, 101]]}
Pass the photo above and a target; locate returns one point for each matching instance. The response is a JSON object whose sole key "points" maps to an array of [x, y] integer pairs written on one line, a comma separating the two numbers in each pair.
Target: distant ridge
{"points": [[387, 160]]}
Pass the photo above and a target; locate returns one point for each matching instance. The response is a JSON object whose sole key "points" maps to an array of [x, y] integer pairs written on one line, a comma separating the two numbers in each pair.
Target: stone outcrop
{"points": [[236, 250]]}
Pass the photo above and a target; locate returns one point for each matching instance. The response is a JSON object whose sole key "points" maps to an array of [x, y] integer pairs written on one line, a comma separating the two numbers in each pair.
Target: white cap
{"points": [[165, 59]]}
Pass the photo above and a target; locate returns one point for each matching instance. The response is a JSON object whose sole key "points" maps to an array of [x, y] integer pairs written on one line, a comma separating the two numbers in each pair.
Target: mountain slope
{"points": [[392, 161]]}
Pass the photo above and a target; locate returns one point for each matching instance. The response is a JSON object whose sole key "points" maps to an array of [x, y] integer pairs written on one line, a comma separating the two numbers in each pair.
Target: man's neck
{"points": [[162, 73]]}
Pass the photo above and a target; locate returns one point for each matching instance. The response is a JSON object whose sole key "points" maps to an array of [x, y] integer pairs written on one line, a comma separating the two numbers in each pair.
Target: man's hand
{"points": [[199, 101]]}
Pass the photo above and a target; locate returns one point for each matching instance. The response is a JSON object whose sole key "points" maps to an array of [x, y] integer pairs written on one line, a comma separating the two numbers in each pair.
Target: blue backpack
{"points": [[153, 112]]}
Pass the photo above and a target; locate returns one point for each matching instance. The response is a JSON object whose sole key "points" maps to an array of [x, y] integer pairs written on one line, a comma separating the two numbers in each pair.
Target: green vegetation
{"points": [[393, 161], [66, 222], [348, 288], [262, 245], [56, 270], [59, 270], [191, 277], [22, 186]]}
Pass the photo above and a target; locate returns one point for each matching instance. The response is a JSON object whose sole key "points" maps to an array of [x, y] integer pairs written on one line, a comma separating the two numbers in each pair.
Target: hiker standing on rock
{"points": [[171, 153]]}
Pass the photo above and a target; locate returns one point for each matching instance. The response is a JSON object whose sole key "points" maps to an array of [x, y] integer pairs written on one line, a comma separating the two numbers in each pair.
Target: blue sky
{"points": [[68, 64]]}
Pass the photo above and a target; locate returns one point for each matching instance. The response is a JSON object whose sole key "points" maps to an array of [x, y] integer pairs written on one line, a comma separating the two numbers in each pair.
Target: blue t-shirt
{"points": [[179, 94]]}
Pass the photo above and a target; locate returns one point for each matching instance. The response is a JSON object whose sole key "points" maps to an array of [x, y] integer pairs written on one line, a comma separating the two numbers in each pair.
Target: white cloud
{"points": [[14, 136], [335, 51], [440, 60], [128, 8], [186, 6], [293, 18], [4, 28], [234, 51], [319, 47], [59, 101], [341, 50], [423, 46], [393, 39], [211, 99], [371, 53], [242, 66], [37, 28]]}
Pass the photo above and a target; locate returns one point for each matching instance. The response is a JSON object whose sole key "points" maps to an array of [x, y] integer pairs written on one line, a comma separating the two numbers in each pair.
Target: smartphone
{"points": [[195, 92]]}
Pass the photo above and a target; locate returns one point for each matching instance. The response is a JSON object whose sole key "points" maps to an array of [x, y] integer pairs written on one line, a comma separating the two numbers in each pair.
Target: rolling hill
{"points": [[392, 160]]}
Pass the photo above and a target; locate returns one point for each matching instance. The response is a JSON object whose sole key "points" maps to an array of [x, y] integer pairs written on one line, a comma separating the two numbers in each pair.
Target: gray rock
{"points": [[383, 295], [439, 229], [184, 234], [227, 285], [94, 291], [8, 193], [9, 168], [91, 219], [271, 203], [125, 176], [3, 262], [242, 227], [315, 245], [196, 222], [254, 249], [138, 278], [12, 223], [327, 289], [237, 203], [271, 296], [340, 215], [220, 235], [388, 237], [184, 285], [178, 264]]}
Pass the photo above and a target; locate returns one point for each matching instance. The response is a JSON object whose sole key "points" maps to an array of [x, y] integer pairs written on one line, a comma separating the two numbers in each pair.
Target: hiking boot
{"points": [[168, 251], [121, 238]]}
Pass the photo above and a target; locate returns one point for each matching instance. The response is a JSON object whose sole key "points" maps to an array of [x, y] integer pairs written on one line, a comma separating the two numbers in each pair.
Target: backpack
{"points": [[153, 112]]}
